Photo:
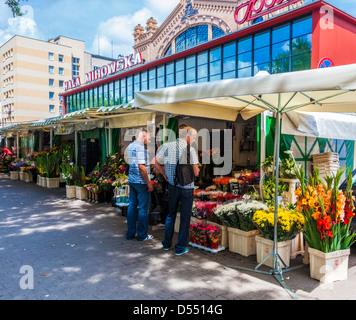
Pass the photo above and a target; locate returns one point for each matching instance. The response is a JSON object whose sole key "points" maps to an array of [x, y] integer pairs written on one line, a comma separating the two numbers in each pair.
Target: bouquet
{"points": [[288, 169], [289, 223], [198, 234], [327, 211], [213, 236], [239, 214], [203, 210], [205, 235]]}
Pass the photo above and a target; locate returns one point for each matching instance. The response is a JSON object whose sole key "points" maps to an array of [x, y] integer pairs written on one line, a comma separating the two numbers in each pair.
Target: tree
{"points": [[15, 7]]}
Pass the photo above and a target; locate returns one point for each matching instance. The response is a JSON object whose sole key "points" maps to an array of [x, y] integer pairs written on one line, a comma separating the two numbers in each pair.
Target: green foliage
{"points": [[15, 7], [78, 175], [51, 164]]}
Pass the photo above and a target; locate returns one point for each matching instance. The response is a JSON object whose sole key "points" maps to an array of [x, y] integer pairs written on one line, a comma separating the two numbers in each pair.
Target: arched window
{"points": [[192, 37], [168, 51], [217, 32]]}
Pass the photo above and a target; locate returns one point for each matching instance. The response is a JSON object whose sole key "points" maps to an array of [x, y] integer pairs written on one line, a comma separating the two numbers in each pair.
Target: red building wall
{"points": [[336, 42]]}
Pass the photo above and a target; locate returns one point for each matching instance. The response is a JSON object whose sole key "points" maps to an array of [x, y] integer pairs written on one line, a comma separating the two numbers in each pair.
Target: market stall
{"points": [[323, 90]]}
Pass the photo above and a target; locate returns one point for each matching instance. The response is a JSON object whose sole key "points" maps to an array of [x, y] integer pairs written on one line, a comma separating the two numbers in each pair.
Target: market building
{"points": [[203, 41], [33, 74]]}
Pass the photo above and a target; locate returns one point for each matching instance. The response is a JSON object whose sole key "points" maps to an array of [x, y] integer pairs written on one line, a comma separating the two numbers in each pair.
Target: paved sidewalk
{"points": [[78, 251]]}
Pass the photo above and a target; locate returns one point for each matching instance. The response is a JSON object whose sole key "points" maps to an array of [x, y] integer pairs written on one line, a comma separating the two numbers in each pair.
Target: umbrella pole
{"points": [[277, 271]]}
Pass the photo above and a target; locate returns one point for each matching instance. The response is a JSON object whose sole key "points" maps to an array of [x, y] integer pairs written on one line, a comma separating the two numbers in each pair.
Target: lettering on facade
{"points": [[254, 9], [110, 69]]}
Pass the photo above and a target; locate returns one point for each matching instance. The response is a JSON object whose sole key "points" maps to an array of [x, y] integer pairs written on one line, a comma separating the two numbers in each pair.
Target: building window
{"points": [[215, 64], [51, 69], [95, 97], [217, 32], [190, 69], [168, 51], [160, 77], [117, 93], [51, 108], [60, 58], [202, 66], [152, 78], [51, 82], [75, 60], [144, 80], [75, 70], [61, 84], [51, 95], [229, 60], [137, 82], [61, 71], [244, 58], [111, 94], [180, 66], [50, 56], [170, 74], [192, 37], [123, 90], [130, 89]]}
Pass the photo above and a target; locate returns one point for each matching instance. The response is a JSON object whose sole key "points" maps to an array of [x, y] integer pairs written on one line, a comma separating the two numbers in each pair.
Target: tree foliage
{"points": [[15, 7]]}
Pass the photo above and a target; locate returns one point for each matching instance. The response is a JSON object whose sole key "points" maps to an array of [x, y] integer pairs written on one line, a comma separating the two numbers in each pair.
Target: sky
{"points": [[105, 26]]}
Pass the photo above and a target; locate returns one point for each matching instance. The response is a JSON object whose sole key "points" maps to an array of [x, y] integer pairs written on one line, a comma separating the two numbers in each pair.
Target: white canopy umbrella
{"points": [[317, 90]]}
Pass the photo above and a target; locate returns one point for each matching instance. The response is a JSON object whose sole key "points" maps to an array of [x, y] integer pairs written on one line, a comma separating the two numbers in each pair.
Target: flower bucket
{"points": [[242, 242], [81, 193], [22, 175], [329, 267], [264, 247], [224, 242], [70, 192], [14, 175], [28, 177], [52, 183]]}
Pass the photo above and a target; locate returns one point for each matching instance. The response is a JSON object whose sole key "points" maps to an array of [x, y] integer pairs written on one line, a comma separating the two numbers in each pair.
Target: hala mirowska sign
{"points": [[254, 9], [112, 68]]}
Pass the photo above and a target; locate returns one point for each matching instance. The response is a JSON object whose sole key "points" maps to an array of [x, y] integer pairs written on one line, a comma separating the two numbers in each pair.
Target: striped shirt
{"points": [[168, 153]]}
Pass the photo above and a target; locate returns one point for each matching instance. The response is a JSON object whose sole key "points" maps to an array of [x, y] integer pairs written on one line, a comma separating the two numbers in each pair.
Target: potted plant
{"points": [[14, 171], [51, 168], [107, 189], [328, 213], [66, 170], [241, 230], [289, 224], [29, 173], [40, 165], [79, 182]]}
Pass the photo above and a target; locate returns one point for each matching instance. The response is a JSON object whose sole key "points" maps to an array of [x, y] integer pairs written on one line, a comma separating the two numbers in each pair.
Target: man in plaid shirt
{"points": [[165, 163]]}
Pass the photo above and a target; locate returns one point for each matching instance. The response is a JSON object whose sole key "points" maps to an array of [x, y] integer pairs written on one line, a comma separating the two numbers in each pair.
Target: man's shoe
{"points": [[165, 249], [149, 237], [186, 250]]}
